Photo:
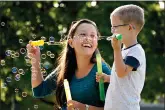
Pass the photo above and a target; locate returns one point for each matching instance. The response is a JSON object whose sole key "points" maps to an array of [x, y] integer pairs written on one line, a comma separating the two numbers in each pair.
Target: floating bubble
{"points": [[24, 94], [21, 71], [46, 65], [43, 56], [28, 62], [16, 90], [51, 39], [14, 70], [2, 23], [3, 62], [41, 47], [12, 52], [7, 52], [30, 55], [33, 36], [16, 54], [17, 77], [8, 79], [41, 25], [4, 85], [52, 55], [43, 72], [48, 53], [43, 38], [20, 41], [22, 50], [12, 55], [35, 106], [26, 57], [62, 5]]}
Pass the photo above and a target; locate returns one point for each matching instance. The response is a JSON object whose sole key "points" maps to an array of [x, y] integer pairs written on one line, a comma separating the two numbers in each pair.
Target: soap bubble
{"points": [[22, 50], [16, 90], [14, 70], [43, 72], [28, 62], [2, 23], [43, 38], [4, 85], [21, 71], [20, 41], [33, 36], [7, 52], [35, 106], [8, 79], [3, 62], [17, 77], [16, 54], [48, 53], [51, 39], [52, 55], [43, 56], [46, 65], [24, 94], [12, 55]]}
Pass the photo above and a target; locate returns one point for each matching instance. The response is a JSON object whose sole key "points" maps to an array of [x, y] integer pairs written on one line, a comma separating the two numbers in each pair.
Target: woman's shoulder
{"points": [[106, 68]]}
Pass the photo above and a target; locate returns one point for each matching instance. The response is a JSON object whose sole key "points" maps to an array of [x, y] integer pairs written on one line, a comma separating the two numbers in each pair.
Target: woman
{"points": [[77, 64]]}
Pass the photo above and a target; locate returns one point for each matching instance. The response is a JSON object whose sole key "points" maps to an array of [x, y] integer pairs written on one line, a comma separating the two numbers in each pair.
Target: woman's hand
{"points": [[33, 53], [74, 105]]}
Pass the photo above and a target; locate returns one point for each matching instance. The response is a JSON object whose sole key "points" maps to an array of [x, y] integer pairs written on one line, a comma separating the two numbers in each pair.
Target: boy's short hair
{"points": [[130, 14]]}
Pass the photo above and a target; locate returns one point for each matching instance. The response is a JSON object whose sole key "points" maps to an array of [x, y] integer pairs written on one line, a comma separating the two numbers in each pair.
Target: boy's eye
{"points": [[93, 36]]}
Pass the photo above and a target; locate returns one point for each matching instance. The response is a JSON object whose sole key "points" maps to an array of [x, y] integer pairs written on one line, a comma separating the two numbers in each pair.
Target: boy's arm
{"points": [[121, 68]]}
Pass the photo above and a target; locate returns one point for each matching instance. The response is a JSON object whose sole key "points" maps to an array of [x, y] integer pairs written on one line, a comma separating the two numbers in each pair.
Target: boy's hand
{"points": [[116, 44], [105, 77]]}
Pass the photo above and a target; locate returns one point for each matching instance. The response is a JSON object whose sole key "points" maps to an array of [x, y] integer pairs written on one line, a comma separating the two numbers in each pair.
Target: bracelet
{"points": [[86, 107]]}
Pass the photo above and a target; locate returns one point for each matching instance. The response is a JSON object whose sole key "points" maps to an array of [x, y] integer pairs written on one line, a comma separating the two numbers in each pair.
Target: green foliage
{"points": [[32, 20]]}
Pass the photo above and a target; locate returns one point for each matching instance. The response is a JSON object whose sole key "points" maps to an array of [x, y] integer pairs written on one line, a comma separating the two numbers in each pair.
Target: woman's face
{"points": [[85, 39]]}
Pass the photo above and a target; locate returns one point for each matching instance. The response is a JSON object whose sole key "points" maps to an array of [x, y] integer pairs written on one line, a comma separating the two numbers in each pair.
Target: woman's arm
{"points": [[40, 87]]}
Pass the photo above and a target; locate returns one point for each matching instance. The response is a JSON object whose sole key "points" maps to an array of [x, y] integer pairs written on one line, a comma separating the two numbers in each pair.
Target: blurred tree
{"points": [[24, 21]]}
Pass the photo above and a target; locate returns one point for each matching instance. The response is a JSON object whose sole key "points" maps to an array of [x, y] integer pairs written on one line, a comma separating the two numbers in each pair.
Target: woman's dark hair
{"points": [[67, 63]]}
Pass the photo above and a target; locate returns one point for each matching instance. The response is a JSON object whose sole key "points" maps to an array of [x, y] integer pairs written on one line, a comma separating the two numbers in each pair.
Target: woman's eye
{"points": [[82, 34]]}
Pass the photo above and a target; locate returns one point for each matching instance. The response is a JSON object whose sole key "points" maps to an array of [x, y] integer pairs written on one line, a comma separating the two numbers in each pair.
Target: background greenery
{"points": [[24, 21]]}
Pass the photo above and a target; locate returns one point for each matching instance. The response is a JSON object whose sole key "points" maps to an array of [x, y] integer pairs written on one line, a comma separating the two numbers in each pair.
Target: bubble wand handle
{"points": [[101, 82], [67, 90], [118, 37], [37, 43]]}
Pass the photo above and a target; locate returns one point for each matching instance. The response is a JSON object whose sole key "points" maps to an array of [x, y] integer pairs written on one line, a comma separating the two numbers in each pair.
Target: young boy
{"points": [[128, 71]]}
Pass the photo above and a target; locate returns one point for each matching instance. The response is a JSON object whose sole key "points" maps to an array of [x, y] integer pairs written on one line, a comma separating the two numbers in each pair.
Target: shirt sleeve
{"points": [[132, 61], [106, 69], [46, 87]]}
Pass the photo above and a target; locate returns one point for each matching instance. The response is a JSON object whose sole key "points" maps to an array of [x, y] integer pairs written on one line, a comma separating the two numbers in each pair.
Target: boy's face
{"points": [[118, 27]]}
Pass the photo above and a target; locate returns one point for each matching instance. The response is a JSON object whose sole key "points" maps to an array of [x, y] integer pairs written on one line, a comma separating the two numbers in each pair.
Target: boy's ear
{"points": [[131, 27], [70, 43]]}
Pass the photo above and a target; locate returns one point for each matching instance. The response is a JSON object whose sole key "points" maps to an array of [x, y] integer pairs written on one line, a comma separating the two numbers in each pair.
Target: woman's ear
{"points": [[70, 43]]}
